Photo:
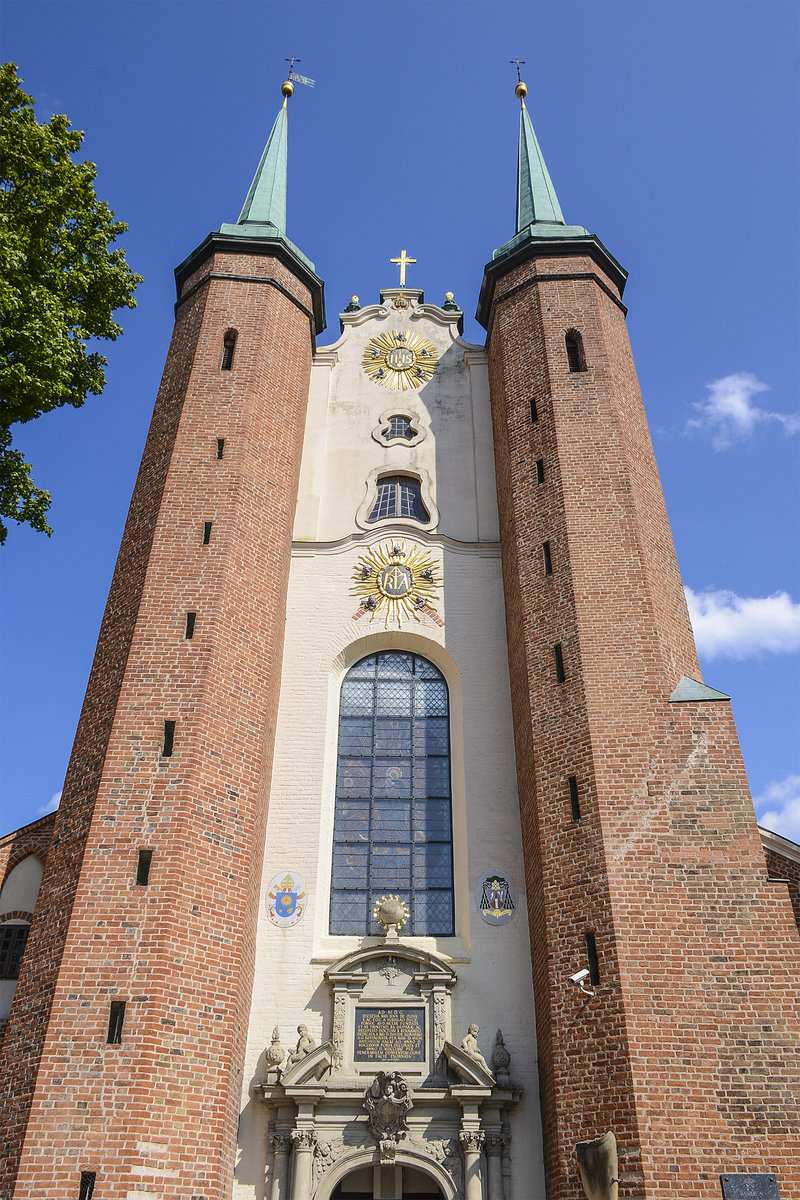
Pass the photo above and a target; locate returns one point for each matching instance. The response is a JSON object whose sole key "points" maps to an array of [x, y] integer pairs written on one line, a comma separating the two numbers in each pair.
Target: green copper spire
{"points": [[264, 211], [266, 200], [536, 196]]}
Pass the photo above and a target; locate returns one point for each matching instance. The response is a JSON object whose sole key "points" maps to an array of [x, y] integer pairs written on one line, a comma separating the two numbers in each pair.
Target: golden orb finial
{"points": [[287, 88], [521, 90], [448, 295]]}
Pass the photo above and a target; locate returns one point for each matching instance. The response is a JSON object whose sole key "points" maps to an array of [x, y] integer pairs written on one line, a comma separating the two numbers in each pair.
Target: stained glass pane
{"points": [[391, 821], [391, 777], [348, 911], [393, 699], [357, 697], [431, 777], [430, 698], [355, 736], [431, 820], [385, 842], [392, 736], [352, 821], [431, 736], [350, 865]]}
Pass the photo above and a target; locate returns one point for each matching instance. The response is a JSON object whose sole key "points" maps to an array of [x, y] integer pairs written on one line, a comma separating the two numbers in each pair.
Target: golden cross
{"points": [[402, 262]]}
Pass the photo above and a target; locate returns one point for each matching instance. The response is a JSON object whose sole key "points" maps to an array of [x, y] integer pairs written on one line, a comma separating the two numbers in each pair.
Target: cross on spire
{"points": [[402, 262], [519, 62]]}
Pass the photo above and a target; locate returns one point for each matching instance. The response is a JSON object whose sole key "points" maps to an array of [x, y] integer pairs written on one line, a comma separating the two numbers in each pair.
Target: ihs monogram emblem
{"points": [[393, 582], [400, 361]]}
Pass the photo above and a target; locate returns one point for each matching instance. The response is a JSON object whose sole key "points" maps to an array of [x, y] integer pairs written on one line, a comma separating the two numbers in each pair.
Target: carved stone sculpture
{"points": [[275, 1052], [501, 1061], [387, 1102], [598, 1165], [470, 1046], [305, 1044]]}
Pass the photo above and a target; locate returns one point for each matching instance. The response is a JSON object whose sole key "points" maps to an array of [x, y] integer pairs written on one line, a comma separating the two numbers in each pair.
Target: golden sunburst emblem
{"points": [[391, 913], [394, 582], [400, 361]]}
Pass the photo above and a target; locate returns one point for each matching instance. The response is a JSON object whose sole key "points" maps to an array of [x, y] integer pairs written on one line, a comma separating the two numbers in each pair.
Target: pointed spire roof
{"points": [[263, 214], [266, 200], [536, 196], [540, 225]]}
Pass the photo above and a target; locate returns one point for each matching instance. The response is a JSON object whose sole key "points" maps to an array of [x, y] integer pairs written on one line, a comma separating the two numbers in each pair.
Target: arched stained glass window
{"points": [[393, 827], [398, 496]]}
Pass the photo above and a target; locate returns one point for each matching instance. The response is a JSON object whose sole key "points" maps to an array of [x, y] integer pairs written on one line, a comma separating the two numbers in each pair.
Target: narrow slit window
{"points": [[88, 1180], [540, 470], [143, 868], [592, 961], [207, 532], [559, 661], [574, 798], [548, 562], [190, 620], [534, 409], [228, 347], [169, 739], [116, 1018], [575, 355], [220, 447]]}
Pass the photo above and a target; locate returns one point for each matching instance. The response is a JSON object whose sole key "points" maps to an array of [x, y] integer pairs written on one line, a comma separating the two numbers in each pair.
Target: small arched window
{"points": [[399, 427], [393, 827], [398, 496], [13, 937], [228, 347], [575, 355]]}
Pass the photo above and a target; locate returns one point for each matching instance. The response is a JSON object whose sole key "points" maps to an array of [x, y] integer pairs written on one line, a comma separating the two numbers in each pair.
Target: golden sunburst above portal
{"points": [[393, 582], [400, 361]]}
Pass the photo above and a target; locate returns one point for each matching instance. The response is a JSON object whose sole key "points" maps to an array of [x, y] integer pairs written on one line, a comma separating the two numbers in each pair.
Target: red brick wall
{"points": [[161, 1109], [665, 865], [780, 866]]}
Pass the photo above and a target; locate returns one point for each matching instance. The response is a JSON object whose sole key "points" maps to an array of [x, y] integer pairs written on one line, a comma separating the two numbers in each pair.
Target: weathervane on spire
{"points": [[521, 89], [294, 76]]}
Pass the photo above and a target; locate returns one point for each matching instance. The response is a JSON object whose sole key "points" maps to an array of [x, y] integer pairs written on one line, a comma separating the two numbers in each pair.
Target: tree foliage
{"points": [[59, 284]]}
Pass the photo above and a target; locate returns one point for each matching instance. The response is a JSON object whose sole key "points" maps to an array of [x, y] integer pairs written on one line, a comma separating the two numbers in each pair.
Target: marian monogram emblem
{"points": [[286, 899], [394, 582], [496, 898], [400, 361]]}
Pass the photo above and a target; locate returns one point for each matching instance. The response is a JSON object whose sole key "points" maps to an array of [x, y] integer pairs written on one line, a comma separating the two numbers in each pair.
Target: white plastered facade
{"points": [[473, 1137]]}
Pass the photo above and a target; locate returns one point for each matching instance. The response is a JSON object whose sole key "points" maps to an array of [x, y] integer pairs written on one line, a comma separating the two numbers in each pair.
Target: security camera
{"points": [[579, 979]]}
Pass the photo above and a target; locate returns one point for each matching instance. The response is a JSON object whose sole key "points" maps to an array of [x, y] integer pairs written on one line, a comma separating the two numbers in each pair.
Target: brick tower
{"points": [[643, 860], [173, 753]]}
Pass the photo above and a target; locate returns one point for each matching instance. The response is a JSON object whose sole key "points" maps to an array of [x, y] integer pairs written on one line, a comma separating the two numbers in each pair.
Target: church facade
{"points": [[403, 852]]}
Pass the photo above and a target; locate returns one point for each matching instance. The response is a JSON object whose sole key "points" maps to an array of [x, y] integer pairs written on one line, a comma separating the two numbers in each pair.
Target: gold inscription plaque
{"points": [[390, 1035]]}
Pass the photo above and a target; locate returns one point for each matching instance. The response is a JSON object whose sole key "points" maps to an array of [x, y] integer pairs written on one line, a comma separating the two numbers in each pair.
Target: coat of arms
{"points": [[286, 899], [496, 897]]}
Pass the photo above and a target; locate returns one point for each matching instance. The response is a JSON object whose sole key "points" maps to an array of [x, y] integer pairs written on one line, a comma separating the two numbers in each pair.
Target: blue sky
{"points": [[670, 130]]}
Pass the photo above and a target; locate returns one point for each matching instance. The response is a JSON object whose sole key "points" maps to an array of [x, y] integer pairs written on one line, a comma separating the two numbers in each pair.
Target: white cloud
{"points": [[730, 626], [729, 414], [778, 807], [51, 805]]}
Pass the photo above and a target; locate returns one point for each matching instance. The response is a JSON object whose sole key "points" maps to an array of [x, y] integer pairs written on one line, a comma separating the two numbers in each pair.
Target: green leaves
{"points": [[60, 283]]}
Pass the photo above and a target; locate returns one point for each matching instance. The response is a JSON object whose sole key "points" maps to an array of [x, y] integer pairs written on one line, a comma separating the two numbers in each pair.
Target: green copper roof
{"points": [[264, 212], [266, 200], [692, 689], [536, 196]]}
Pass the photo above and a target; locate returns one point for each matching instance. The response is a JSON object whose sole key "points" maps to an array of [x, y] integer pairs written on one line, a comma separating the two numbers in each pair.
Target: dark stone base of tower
{"points": [[293, 801]]}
